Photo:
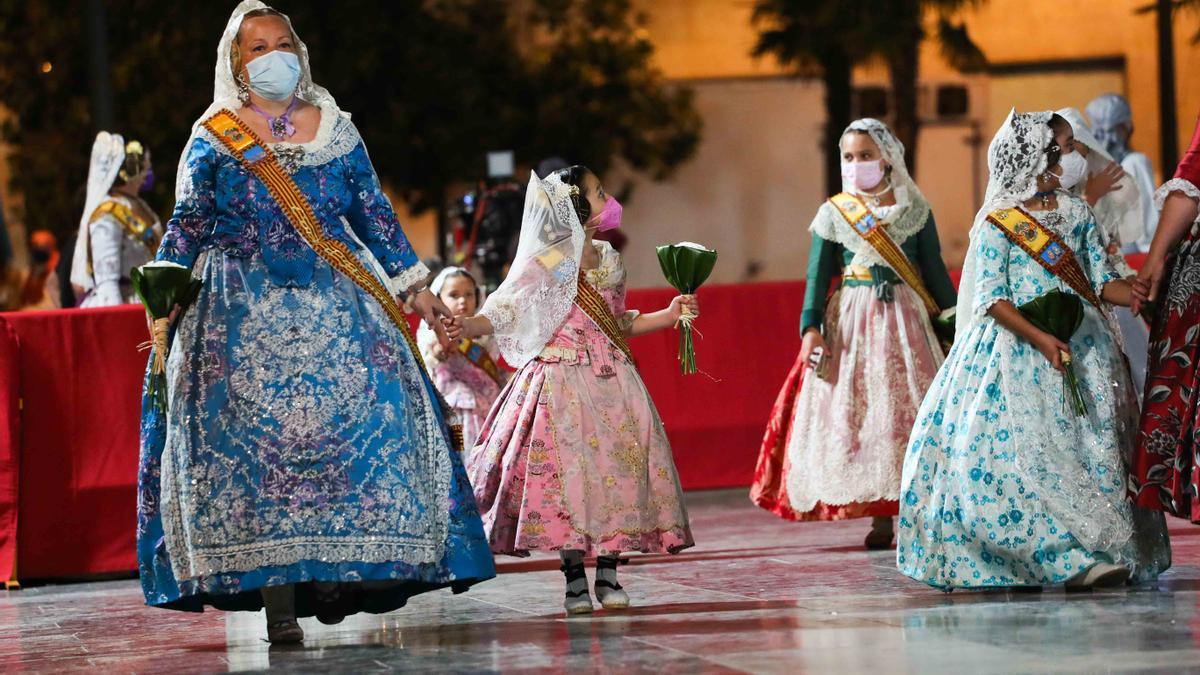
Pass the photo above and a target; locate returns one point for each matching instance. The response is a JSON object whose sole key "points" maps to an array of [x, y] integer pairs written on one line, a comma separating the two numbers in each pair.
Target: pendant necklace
{"points": [[875, 198], [281, 127]]}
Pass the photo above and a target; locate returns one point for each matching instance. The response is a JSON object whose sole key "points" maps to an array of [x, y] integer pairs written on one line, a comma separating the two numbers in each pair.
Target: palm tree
{"points": [[819, 38], [903, 24], [827, 38]]}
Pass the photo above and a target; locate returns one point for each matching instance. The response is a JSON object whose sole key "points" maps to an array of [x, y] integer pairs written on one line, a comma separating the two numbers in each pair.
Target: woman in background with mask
{"points": [[118, 230], [835, 443], [573, 457], [304, 462]]}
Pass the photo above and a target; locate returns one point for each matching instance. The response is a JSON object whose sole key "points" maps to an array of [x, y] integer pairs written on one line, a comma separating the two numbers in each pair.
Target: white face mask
{"points": [[863, 175], [1074, 170]]}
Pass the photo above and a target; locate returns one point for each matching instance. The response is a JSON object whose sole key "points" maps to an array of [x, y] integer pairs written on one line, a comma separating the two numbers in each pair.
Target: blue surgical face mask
{"points": [[275, 75]]}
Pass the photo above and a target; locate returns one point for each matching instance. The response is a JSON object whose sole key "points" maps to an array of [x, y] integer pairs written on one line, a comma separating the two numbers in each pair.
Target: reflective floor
{"points": [[756, 595]]}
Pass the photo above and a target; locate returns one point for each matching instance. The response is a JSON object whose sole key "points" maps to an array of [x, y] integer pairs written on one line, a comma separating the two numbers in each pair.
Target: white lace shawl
{"points": [[905, 219], [108, 154], [539, 291]]}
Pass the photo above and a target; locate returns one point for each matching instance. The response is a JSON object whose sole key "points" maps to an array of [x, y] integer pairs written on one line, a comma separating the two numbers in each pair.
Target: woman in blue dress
{"points": [[304, 463], [1003, 484]]}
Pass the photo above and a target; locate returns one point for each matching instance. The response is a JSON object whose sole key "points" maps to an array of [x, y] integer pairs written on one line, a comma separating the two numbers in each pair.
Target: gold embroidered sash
{"points": [[256, 157], [480, 358], [592, 303], [129, 221], [868, 226], [1046, 247]]}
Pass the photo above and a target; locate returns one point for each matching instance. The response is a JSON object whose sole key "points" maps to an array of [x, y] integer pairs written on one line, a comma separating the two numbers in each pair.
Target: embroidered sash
{"points": [[1046, 247], [868, 226], [260, 161], [592, 303], [480, 358], [133, 226]]}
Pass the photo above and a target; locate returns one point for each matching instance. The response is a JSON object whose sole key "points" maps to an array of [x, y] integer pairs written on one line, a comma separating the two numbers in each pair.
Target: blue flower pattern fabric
{"points": [[302, 440], [1003, 485]]}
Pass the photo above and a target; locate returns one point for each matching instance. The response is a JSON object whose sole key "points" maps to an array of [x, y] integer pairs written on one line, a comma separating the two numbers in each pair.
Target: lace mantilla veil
{"points": [[108, 154], [1015, 158], [539, 291], [915, 208], [1052, 464], [225, 89]]}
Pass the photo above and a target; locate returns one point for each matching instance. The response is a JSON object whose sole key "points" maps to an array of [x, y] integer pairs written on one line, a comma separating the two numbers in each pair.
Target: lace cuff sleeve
{"points": [[408, 277], [1175, 185]]}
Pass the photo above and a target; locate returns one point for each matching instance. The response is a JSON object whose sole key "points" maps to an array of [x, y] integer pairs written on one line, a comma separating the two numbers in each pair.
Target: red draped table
{"points": [[70, 384]]}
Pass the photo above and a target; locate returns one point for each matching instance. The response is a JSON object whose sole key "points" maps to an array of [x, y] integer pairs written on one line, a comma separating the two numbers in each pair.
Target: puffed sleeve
{"points": [[991, 252], [195, 205], [1189, 166], [106, 235], [374, 221]]}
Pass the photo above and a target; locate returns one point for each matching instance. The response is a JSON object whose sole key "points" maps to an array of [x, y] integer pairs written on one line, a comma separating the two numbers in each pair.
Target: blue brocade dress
{"points": [[1003, 484], [302, 441]]}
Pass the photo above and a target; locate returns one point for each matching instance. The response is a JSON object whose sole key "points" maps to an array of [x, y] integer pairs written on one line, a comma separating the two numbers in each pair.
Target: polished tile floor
{"points": [[757, 595]]}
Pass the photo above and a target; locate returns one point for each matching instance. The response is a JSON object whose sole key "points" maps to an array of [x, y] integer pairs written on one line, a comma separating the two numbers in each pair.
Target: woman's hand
{"points": [[1053, 349], [812, 341], [684, 305], [432, 310], [171, 317], [1104, 182]]}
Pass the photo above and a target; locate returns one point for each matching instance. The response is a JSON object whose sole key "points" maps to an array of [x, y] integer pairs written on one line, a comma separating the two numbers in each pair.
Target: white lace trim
{"points": [[336, 137], [831, 226], [410, 277], [1176, 185]]}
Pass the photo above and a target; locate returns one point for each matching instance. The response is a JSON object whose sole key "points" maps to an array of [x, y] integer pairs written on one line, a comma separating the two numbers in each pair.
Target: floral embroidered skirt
{"points": [[1166, 466], [301, 444], [571, 459], [1004, 485], [841, 453]]}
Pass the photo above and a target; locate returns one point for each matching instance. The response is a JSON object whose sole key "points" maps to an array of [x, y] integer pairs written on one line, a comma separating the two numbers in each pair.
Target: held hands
{"points": [[1146, 284], [435, 314], [1053, 349], [1104, 182]]}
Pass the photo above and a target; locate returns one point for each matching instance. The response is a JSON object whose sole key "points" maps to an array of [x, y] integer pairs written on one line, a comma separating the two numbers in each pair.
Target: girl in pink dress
{"points": [[573, 457], [468, 376]]}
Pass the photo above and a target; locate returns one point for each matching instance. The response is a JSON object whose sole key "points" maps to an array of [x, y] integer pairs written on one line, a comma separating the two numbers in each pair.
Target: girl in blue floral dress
{"points": [[1003, 484], [304, 461]]}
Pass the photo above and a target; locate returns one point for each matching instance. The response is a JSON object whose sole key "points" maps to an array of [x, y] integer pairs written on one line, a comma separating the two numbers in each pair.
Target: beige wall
{"points": [[756, 180]]}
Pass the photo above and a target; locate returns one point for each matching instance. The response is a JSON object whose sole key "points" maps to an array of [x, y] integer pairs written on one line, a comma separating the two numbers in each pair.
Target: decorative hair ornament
{"points": [[573, 190]]}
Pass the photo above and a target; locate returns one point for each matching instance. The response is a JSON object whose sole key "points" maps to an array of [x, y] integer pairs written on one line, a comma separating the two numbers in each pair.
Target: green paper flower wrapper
{"points": [[686, 266], [161, 286], [1060, 315]]}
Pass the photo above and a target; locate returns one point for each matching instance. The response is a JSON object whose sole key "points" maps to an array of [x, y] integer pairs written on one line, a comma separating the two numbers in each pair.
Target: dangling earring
{"points": [[243, 90]]}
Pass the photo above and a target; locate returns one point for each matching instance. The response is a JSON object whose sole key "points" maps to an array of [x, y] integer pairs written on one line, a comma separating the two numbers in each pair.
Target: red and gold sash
{"points": [[592, 303], [868, 226], [480, 358], [260, 161], [1046, 247], [129, 221]]}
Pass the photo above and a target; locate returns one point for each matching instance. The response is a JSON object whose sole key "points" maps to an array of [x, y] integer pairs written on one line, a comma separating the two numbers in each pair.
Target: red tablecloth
{"points": [[68, 460]]}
